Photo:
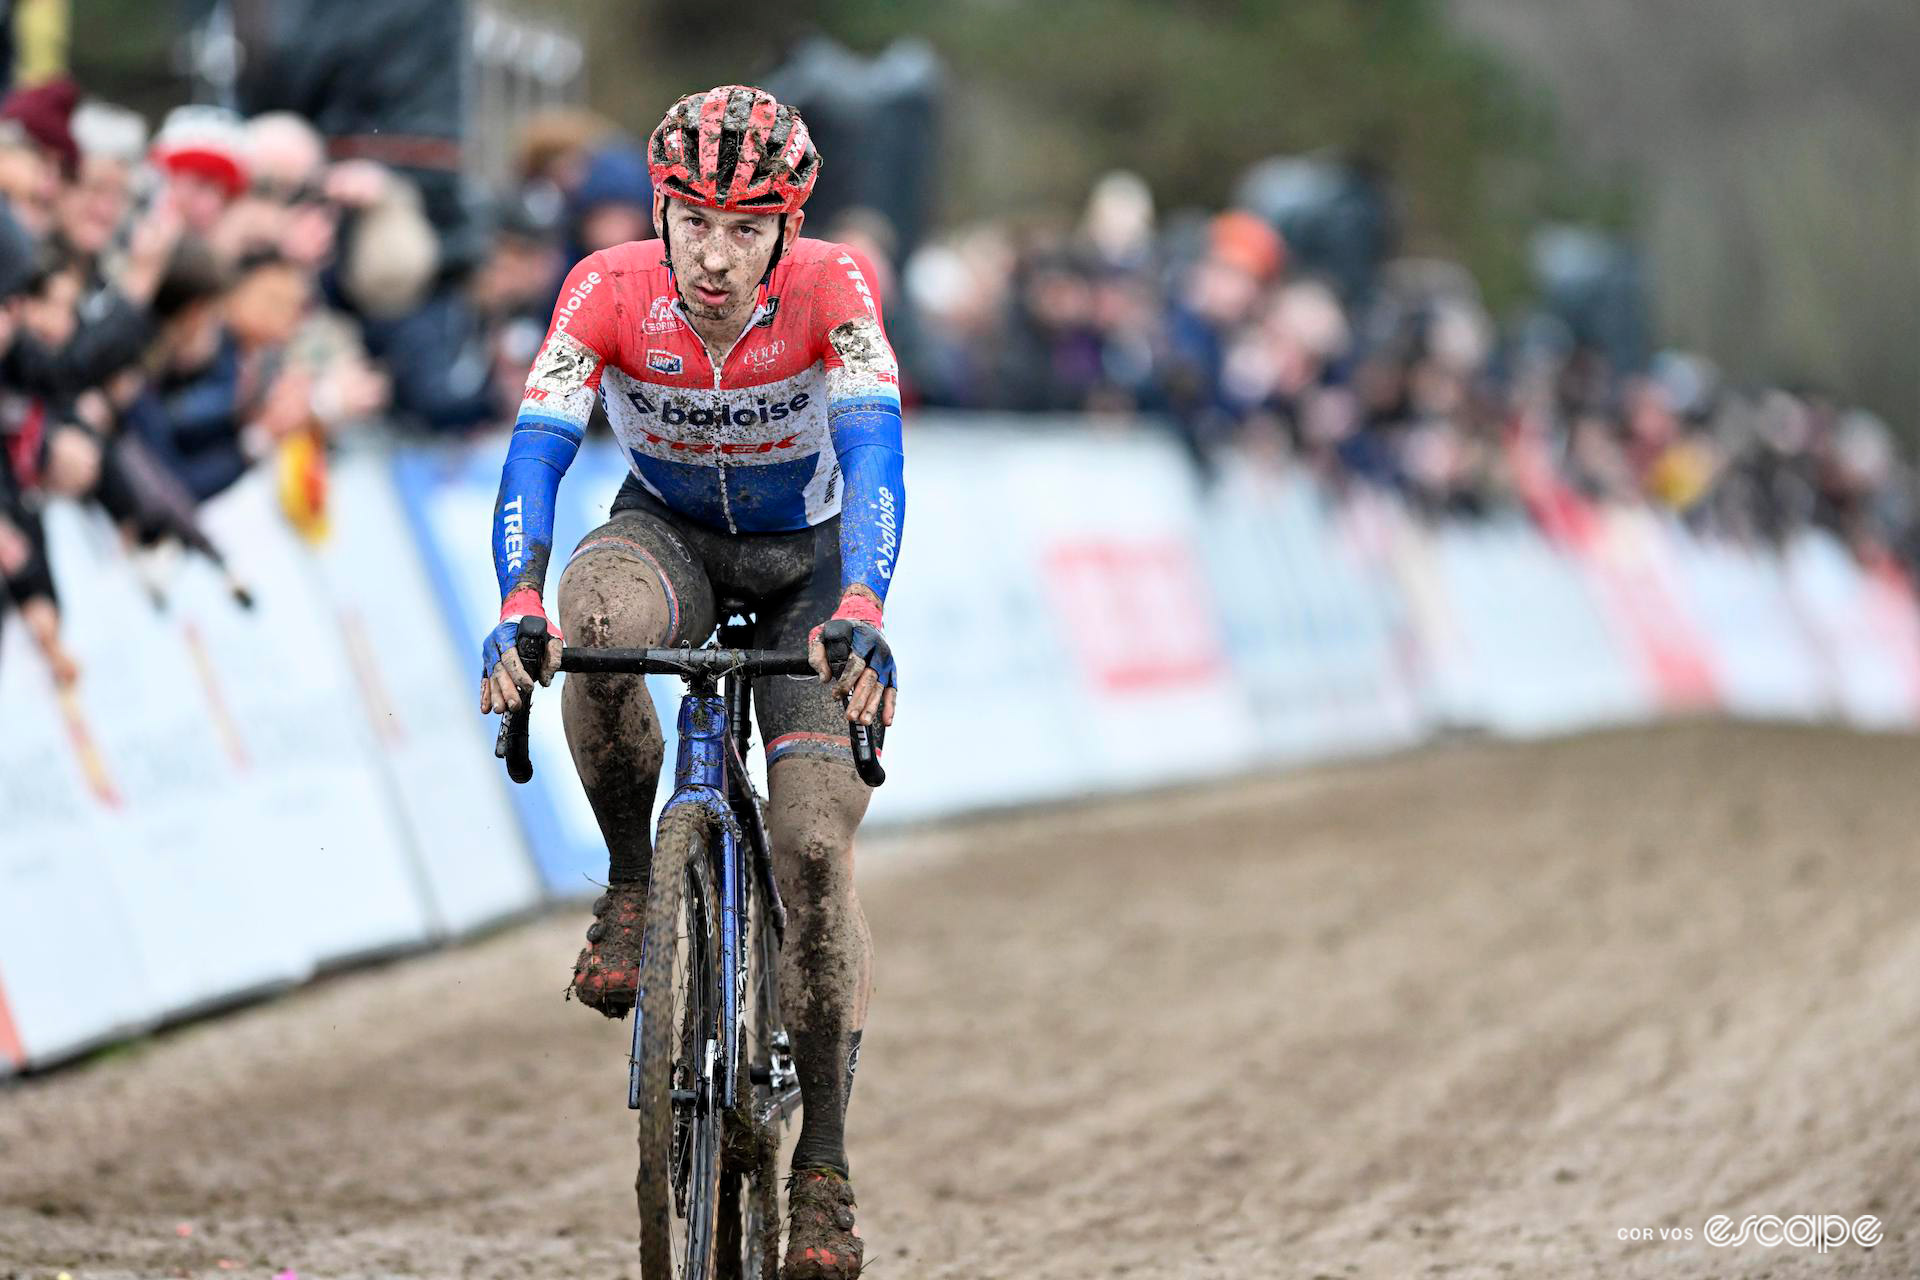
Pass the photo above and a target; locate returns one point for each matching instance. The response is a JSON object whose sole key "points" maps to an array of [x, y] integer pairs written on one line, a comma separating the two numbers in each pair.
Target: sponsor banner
{"points": [[1111, 522], [1316, 633], [420, 709], [58, 897], [986, 716], [196, 840], [1864, 627], [285, 696], [1626, 557], [1535, 655], [1765, 661]]}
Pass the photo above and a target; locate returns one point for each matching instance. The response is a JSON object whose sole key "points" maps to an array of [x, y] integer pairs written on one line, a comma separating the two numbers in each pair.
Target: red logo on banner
{"points": [[1138, 613]]}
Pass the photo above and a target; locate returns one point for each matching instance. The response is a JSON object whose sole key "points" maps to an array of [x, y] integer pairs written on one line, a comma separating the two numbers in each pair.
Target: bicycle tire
{"points": [[677, 1187], [750, 1186]]}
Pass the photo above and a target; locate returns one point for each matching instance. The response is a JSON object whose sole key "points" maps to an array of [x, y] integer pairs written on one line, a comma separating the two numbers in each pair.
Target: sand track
{"points": [[1468, 1012]]}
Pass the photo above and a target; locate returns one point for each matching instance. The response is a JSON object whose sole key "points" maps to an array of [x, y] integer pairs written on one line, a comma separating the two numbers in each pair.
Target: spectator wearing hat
{"points": [[614, 201], [38, 155], [1218, 294], [202, 151]]}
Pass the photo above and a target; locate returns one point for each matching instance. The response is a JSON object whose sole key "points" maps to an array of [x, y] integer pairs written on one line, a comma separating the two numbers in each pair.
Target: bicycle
{"points": [[711, 1070]]}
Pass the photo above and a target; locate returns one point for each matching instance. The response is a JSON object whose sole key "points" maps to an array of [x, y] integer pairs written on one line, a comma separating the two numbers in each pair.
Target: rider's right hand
{"points": [[503, 677]]}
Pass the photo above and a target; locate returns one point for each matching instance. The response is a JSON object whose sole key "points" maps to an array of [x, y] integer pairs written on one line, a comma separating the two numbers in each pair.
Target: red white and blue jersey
{"points": [[798, 421]]}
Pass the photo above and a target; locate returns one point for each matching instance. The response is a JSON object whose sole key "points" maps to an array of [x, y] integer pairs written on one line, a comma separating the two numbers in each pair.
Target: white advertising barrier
{"points": [[1317, 635], [421, 703], [1865, 630], [1110, 521], [1627, 557], [1538, 658], [71, 974], [1764, 659], [986, 717], [287, 698], [190, 847]]}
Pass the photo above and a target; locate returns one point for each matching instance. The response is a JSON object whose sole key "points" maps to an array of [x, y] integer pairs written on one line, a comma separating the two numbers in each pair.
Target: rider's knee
{"points": [[817, 804], [611, 599]]}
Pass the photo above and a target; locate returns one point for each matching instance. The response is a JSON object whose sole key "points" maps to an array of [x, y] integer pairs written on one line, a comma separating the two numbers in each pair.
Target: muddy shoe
{"points": [[821, 1241], [608, 970]]}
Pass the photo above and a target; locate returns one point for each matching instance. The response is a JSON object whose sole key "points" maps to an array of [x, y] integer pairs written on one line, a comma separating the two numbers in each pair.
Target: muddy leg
{"points": [[827, 961], [608, 598]]}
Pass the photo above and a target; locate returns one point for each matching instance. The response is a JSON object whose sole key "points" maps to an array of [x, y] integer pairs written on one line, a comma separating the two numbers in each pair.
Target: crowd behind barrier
{"points": [[237, 797], [237, 637]]}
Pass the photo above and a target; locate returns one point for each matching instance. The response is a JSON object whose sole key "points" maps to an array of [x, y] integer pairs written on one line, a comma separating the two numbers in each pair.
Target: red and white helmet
{"points": [[736, 149]]}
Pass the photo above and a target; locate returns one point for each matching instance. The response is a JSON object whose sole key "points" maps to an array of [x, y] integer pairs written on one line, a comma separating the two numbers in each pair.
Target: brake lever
{"points": [[531, 644], [865, 740]]}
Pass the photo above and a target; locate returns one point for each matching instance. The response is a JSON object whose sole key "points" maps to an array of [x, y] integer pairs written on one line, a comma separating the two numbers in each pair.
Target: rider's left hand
{"points": [[868, 681]]}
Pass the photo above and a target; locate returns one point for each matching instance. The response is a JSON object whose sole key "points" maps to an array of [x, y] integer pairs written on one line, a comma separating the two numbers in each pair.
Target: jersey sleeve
{"points": [[561, 389], [863, 415]]}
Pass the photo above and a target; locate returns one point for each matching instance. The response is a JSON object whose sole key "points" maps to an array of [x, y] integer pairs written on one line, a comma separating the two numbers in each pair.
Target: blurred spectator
{"points": [[614, 201], [460, 360], [37, 151], [555, 146], [93, 209], [201, 153]]}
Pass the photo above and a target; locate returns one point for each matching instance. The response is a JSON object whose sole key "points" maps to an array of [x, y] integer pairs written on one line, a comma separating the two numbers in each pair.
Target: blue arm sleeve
{"points": [[538, 455], [873, 508]]}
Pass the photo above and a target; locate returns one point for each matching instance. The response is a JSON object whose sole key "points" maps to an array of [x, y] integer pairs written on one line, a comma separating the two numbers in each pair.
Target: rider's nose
{"points": [[714, 261]]}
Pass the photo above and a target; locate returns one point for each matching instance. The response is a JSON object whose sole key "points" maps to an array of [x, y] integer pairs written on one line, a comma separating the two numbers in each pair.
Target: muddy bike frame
{"points": [[709, 773]]}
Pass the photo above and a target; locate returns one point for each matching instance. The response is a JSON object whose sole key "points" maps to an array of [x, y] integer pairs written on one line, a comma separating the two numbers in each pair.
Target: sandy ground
{"points": [[1469, 1012]]}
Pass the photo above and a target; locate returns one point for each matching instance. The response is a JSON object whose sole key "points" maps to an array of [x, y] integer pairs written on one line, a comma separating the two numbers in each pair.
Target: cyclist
{"points": [[746, 373]]}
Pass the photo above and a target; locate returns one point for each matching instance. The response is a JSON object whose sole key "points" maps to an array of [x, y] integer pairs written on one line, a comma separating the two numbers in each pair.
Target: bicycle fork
{"points": [[700, 768]]}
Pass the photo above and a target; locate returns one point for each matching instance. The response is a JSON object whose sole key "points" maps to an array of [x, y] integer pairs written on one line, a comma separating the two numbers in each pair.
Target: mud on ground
{"points": [[1468, 1012]]}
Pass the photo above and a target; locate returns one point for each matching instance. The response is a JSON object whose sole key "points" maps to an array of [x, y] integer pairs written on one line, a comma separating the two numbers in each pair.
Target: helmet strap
{"points": [[779, 247]]}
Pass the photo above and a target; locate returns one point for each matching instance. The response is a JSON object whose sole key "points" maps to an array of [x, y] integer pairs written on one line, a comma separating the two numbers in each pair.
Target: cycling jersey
{"points": [[798, 422]]}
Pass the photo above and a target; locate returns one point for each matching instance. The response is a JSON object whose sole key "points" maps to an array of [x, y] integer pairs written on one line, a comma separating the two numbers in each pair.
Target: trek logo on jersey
{"points": [[513, 524], [731, 448], [674, 413], [663, 361], [576, 298], [660, 317], [859, 282]]}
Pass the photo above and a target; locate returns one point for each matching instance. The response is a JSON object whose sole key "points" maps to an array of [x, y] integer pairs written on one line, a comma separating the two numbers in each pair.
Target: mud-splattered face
{"points": [[718, 259]]}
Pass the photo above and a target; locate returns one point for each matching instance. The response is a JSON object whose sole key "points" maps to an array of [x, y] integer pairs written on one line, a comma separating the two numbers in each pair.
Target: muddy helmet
{"points": [[736, 149]]}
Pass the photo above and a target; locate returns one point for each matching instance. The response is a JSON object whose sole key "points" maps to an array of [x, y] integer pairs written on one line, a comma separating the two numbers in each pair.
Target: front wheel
{"points": [[679, 1036]]}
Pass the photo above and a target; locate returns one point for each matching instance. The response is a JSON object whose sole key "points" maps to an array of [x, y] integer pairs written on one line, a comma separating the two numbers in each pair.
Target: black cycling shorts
{"points": [[791, 582]]}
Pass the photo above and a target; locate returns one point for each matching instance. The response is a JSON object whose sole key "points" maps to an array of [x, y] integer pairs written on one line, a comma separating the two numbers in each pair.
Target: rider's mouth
{"points": [[711, 296]]}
